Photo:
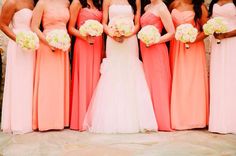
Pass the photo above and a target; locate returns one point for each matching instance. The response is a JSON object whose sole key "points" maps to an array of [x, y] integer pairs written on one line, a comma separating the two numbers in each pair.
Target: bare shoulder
{"points": [[162, 6], [146, 7], [174, 4], [41, 3], [76, 2], [204, 7], [10, 2], [163, 10], [9, 5], [107, 2]]}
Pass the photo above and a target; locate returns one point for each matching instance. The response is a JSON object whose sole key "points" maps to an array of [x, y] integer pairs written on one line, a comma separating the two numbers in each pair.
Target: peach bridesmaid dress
{"points": [[51, 90], [223, 76], [157, 71], [18, 89], [189, 97], [86, 70]]}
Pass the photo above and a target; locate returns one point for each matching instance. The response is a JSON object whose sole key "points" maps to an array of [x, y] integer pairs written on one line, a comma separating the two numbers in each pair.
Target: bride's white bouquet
{"points": [[59, 39], [27, 40], [149, 35], [186, 33], [121, 27]]}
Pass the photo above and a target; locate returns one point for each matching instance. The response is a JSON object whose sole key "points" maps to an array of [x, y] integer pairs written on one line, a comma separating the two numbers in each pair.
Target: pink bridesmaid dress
{"points": [[189, 97], [86, 70], [223, 76], [18, 89], [51, 90], [157, 71]]}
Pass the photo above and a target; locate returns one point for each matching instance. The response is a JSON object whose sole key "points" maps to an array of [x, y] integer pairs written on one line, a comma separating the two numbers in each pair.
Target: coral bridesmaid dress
{"points": [[189, 98], [51, 90], [18, 89], [121, 102], [223, 76], [157, 71], [86, 70]]}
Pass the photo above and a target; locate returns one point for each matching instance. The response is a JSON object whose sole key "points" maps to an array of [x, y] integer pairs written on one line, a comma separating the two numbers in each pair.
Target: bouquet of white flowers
{"points": [[59, 39], [92, 28], [149, 35], [215, 25], [186, 33], [27, 40], [121, 27]]}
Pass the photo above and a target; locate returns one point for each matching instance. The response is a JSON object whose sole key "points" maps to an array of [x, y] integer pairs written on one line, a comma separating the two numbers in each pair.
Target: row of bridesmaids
{"points": [[116, 92]]}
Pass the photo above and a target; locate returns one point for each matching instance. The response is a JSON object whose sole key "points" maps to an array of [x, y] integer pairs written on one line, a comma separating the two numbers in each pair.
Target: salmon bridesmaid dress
{"points": [[51, 90], [18, 89], [157, 71], [85, 71], [223, 76], [189, 97]]}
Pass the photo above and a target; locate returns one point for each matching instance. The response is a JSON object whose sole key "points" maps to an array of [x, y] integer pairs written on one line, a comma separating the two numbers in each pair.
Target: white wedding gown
{"points": [[121, 102]]}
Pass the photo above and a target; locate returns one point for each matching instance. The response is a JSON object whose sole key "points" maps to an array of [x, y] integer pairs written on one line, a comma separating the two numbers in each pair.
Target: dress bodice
{"points": [[22, 19], [118, 10], [150, 19], [182, 17], [55, 17], [228, 12], [87, 13]]}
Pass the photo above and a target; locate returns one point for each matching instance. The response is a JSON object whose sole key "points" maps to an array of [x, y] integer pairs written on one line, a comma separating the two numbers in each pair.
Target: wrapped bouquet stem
{"points": [[91, 40], [187, 46], [218, 41]]}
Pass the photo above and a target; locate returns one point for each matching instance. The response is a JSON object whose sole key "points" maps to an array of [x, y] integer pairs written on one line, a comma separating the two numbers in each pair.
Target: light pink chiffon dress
{"points": [[223, 75], [18, 89]]}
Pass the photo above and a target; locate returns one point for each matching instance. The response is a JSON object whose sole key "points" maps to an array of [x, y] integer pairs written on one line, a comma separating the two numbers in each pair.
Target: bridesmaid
{"points": [[51, 89], [86, 59], [156, 61], [18, 89], [189, 97], [223, 73]]}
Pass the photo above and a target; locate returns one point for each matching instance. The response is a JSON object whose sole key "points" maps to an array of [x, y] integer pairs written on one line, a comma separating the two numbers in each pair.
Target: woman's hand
{"points": [[118, 39], [115, 37], [219, 36], [130, 35], [90, 39]]}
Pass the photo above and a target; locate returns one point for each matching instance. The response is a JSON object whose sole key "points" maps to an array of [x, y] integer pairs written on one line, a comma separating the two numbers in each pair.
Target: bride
{"points": [[121, 102]]}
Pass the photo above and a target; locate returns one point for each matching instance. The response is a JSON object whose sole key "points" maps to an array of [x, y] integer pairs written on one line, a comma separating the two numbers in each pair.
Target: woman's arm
{"points": [[225, 35], [167, 22], [202, 21], [105, 17], [8, 11], [37, 19], [137, 18], [74, 11]]}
